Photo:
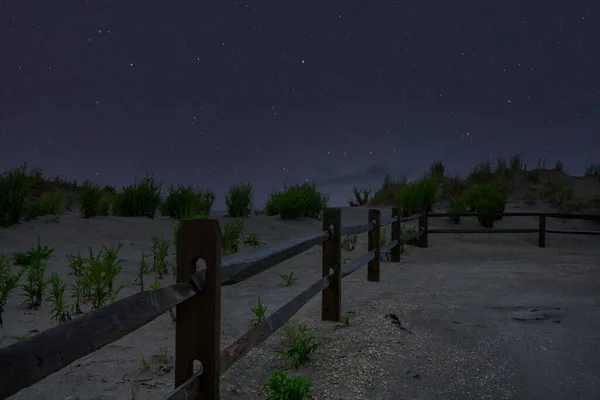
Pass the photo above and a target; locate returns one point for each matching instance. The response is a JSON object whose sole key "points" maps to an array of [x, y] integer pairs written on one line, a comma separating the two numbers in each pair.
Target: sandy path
{"points": [[460, 299]]}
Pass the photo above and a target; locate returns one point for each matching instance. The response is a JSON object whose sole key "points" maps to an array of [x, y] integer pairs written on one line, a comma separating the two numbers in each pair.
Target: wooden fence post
{"points": [[542, 231], [423, 227], [396, 232], [198, 324], [331, 301], [374, 244]]}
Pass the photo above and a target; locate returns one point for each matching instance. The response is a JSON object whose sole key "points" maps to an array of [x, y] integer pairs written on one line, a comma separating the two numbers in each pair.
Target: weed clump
{"points": [[281, 386], [486, 199], [89, 197], [417, 196], [187, 202], [138, 200], [297, 201], [59, 310], [14, 187], [239, 200], [8, 282], [230, 238], [387, 192], [302, 345], [457, 205], [361, 197]]}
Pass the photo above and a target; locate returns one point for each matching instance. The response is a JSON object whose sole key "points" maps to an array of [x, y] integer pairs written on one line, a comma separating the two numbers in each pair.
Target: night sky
{"points": [[273, 91]]}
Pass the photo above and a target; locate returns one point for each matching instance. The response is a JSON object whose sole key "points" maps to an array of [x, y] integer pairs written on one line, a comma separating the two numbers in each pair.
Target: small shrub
{"points": [[386, 194], [534, 175], [59, 308], [156, 285], [272, 204], [14, 187], [251, 240], [104, 206], [51, 203], [32, 209], [559, 166], [592, 170], [301, 347], [35, 283], [453, 186], [230, 238], [187, 202], [76, 264], [29, 256], [95, 286], [89, 198], [457, 205], [541, 163], [239, 200], [138, 200], [437, 170], [259, 311], [345, 320], [280, 386], [298, 201], [349, 242], [8, 282], [143, 269], [287, 279], [481, 173], [361, 197], [486, 199], [417, 196], [160, 252]]}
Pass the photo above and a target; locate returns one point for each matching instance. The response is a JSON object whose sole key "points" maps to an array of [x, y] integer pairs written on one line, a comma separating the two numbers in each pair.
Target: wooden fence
{"points": [[197, 297]]}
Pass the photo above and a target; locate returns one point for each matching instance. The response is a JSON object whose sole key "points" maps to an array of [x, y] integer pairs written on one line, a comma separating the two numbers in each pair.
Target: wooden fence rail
{"points": [[541, 230], [197, 296]]}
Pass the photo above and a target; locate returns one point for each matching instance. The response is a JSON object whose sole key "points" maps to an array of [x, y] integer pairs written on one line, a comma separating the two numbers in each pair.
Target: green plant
{"points": [[230, 238], [143, 269], [8, 282], [89, 197], [486, 199], [457, 206], [251, 240], [104, 206], [33, 253], [76, 263], [297, 201], [50, 205], [79, 291], [534, 175], [279, 386], [156, 285], [559, 166], [417, 196], [288, 279], [386, 194], [36, 283], [59, 309], [345, 320], [31, 209], [302, 345], [112, 266], [592, 170], [187, 202], [481, 173], [14, 187], [436, 170], [361, 197], [259, 310], [349, 242], [541, 163], [95, 286], [453, 186], [239, 200], [160, 252], [138, 199]]}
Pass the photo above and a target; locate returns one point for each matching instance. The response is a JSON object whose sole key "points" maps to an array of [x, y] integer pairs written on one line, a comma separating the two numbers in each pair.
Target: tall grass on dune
{"points": [[297, 201], [416, 196], [239, 200], [139, 199], [185, 201]]}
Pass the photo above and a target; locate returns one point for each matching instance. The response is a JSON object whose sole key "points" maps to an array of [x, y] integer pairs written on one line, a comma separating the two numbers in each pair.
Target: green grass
{"points": [[184, 202], [297, 201], [89, 197], [416, 196], [138, 199], [239, 200], [486, 199]]}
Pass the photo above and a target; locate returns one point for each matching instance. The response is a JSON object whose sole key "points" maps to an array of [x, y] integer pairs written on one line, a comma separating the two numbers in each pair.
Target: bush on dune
{"points": [[89, 198], [486, 199], [14, 187], [138, 200], [187, 202], [239, 200], [417, 196], [297, 201]]}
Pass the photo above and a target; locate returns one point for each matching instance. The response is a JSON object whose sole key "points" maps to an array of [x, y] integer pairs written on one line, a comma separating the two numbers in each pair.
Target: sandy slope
{"points": [[423, 283]]}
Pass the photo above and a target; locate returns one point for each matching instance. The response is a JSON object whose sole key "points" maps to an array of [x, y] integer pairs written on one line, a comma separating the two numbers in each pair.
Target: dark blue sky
{"points": [[339, 92]]}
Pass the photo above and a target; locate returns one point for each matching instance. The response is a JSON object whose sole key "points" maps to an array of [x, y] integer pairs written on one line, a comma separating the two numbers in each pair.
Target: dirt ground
{"points": [[473, 316]]}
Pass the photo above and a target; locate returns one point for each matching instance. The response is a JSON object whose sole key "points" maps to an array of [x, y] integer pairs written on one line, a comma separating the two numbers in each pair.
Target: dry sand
{"points": [[488, 316]]}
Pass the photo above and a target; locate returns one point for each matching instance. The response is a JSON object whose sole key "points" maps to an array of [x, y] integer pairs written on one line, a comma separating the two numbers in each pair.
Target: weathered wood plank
{"points": [[354, 265], [573, 232], [396, 232], [411, 218], [388, 247], [24, 363], [412, 236], [189, 390], [593, 217], [485, 230], [356, 229], [263, 330], [243, 265]]}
